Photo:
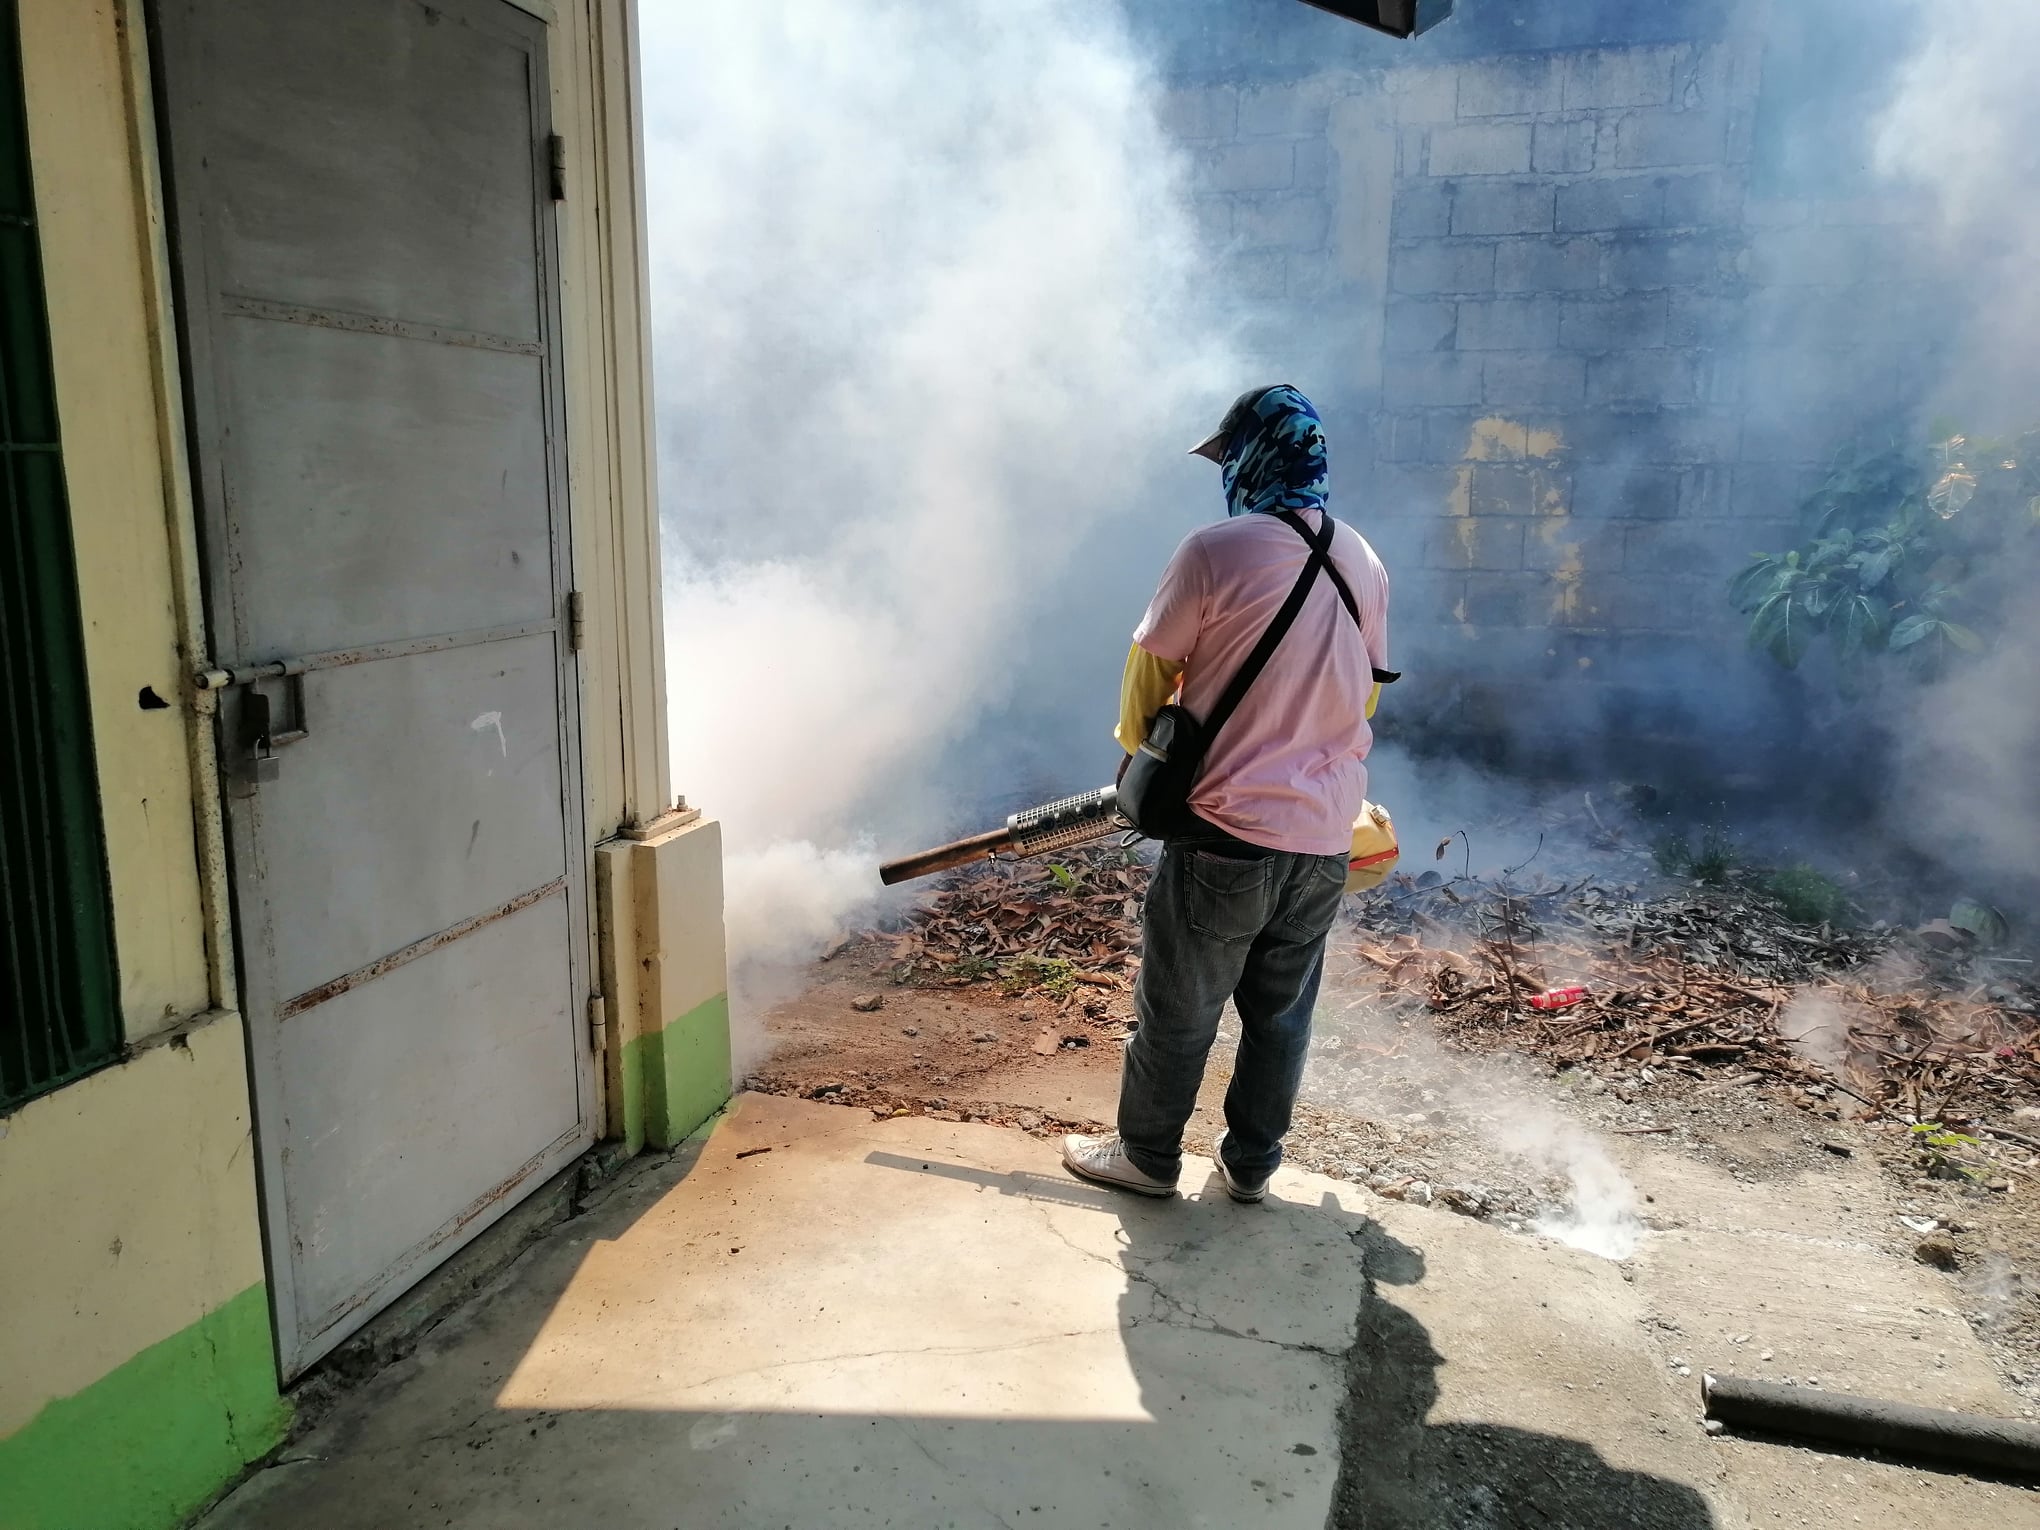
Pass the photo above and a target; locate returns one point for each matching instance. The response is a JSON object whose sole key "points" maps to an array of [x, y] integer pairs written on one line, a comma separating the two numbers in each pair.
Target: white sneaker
{"points": [[1104, 1161], [1240, 1191]]}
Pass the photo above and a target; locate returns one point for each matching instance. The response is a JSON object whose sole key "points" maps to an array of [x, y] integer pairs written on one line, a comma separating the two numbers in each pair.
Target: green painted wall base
{"points": [[156, 1437], [677, 1078]]}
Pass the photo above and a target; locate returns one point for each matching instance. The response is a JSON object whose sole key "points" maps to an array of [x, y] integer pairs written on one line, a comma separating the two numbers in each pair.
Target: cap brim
{"points": [[1211, 447]]}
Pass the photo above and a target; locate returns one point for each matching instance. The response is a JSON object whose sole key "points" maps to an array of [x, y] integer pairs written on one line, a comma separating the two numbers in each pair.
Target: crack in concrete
{"points": [[1200, 1321], [916, 1441], [1177, 1312], [956, 1350]]}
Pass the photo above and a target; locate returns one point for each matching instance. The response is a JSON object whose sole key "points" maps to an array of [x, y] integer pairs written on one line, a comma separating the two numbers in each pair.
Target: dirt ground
{"points": [[1390, 1105]]}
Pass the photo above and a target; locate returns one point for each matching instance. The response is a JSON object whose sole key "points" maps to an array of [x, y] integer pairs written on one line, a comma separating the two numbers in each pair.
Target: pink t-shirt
{"points": [[1287, 772]]}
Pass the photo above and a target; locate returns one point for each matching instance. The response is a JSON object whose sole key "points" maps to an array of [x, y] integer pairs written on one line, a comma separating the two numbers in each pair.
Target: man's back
{"points": [[1225, 920], [1287, 772]]}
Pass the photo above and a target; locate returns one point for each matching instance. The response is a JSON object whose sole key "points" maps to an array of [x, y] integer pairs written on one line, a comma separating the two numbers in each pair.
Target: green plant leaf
{"points": [[1965, 638], [1782, 628], [1934, 599], [1859, 622], [1749, 588], [1873, 568], [1830, 550], [1910, 631]]}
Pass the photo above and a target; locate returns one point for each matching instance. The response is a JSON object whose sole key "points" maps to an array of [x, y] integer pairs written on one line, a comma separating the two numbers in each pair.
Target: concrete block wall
{"points": [[1579, 362]]}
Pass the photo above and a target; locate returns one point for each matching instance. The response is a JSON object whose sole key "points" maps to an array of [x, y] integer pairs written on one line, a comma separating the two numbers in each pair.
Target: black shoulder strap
{"points": [[1381, 676], [1264, 650]]}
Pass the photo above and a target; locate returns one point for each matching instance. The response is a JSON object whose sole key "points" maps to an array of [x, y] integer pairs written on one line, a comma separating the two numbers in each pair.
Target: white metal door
{"points": [[362, 199]]}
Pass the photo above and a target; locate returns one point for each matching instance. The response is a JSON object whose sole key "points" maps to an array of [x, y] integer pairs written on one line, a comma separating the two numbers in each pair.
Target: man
{"points": [[1241, 905]]}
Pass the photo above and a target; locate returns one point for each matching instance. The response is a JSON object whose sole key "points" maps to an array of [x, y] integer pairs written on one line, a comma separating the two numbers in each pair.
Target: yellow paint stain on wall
{"points": [[1565, 575], [1461, 501], [1565, 587], [1496, 439]]}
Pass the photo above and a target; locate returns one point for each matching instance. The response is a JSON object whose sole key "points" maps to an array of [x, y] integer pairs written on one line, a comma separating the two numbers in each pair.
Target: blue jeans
{"points": [[1223, 920]]}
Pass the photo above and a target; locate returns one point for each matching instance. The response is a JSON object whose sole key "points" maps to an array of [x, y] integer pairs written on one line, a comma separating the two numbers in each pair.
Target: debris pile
{"points": [[1054, 928], [1709, 981], [1705, 980]]}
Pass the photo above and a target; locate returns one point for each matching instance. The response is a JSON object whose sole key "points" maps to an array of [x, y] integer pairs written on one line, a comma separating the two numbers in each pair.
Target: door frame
{"points": [[179, 83]]}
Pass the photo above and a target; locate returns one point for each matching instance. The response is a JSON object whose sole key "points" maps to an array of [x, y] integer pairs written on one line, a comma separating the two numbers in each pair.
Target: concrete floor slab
{"points": [[812, 1318], [1785, 1267], [830, 1320]]}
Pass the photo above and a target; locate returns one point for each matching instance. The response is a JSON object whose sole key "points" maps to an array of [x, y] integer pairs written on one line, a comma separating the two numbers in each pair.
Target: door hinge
{"points": [[556, 150], [598, 1024], [577, 621]]}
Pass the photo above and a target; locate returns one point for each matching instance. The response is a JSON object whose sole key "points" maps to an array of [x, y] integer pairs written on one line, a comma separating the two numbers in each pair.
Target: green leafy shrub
{"points": [[1710, 861], [1941, 1151], [1807, 896], [1904, 539]]}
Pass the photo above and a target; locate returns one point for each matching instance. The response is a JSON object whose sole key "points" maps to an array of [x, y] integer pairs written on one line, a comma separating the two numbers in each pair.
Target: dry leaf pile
{"points": [[1704, 982], [1076, 920], [1714, 982]]}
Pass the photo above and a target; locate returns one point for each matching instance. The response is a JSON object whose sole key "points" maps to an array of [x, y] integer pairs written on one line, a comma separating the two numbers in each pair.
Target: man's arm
{"points": [[1144, 689], [1173, 619]]}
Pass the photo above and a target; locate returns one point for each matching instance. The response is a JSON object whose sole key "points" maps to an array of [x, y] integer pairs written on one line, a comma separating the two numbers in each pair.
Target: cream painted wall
{"points": [[136, 1191], [604, 305], [98, 267], [679, 892]]}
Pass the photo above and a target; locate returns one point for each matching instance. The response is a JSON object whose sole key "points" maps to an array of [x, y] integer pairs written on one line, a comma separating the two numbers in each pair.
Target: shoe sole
{"points": [[1243, 1197], [1156, 1192]]}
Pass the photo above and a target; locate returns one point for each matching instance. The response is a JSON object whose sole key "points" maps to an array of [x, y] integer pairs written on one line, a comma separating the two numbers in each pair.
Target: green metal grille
{"points": [[58, 1005]]}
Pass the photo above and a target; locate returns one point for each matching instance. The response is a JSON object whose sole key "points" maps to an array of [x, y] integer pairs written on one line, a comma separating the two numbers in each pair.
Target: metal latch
{"points": [[261, 737], [258, 732]]}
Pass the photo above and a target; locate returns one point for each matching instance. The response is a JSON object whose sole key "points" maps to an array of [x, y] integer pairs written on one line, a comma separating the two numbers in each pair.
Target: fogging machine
{"points": [[1031, 831], [1093, 815]]}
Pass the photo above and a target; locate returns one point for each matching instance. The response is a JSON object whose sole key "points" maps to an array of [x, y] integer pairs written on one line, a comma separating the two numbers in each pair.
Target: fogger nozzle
{"points": [[1032, 831]]}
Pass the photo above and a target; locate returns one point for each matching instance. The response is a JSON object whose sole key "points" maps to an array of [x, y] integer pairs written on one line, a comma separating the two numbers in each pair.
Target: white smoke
{"points": [[1816, 1026], [1377, 1058], [1963, 134], [922, 297]]}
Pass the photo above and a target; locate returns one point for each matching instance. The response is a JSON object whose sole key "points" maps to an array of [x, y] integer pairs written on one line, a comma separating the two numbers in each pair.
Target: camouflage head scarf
{"points": [[1273, 458]]}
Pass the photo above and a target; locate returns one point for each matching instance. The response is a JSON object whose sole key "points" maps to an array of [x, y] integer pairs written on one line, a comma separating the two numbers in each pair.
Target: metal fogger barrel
{"points": [[1032, 831]]}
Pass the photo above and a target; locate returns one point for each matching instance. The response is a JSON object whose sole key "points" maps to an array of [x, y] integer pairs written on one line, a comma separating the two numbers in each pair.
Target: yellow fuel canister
{"points": [[1374, 851]]}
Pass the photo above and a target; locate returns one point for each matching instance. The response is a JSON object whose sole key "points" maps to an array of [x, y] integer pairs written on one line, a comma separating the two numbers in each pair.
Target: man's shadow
{"points": [[1396, 1470]]}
